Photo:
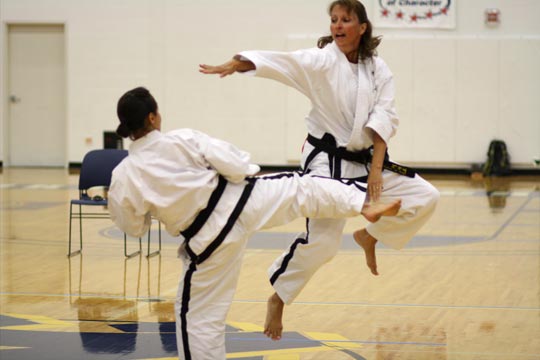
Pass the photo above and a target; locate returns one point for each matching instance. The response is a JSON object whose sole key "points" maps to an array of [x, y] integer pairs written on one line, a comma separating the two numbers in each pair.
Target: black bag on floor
{"points": [[498, 160]]}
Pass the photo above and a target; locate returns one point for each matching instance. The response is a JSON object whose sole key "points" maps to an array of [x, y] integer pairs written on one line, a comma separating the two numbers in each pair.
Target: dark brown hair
{"points": [[133, 108], [368, 43]]}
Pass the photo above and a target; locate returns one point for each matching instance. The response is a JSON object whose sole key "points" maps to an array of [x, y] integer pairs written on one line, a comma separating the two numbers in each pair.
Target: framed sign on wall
{"points": [[431, 14]]}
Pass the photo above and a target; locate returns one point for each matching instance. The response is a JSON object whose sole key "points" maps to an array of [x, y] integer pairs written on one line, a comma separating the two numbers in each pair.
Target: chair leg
{"points": [[70, 253], [69, 236], [133, 253], [80, 227], [159, 236]]}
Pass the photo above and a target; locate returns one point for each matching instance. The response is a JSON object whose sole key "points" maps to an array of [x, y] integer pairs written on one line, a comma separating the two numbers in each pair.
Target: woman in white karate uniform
{"points": [[350, 124], [200, 188]]}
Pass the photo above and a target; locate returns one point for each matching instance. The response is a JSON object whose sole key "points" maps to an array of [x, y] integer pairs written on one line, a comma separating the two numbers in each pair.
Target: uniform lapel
{"points": [[364, 104]]}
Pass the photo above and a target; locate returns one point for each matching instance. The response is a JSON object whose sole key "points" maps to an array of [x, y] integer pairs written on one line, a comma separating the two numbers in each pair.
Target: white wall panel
{"points": [[477, 98], [434, 101], [105, 58], [399, 56], [297, 105], [520, 98]]}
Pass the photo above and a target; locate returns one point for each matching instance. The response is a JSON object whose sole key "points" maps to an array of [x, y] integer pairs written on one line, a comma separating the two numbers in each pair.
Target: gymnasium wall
{"points": [[456, 89]]}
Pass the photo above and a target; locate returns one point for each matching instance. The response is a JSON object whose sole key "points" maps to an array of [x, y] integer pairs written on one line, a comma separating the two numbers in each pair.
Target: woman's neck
{"points": [[352, 56], [140, 133]]}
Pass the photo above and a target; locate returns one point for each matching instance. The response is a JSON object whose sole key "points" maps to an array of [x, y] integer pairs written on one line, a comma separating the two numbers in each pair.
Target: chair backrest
{"points": [[97, 167]]}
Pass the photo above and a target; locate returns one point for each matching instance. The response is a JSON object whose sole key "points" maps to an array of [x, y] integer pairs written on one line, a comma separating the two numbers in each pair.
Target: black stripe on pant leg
{"points": [[347, 181], [230, 222], [290, 255], [204, 214], [186, 293], [355, 182], [279, 175]]}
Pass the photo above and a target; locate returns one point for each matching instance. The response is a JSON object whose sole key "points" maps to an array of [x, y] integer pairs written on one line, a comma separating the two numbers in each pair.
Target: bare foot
{"points": [[367, 242], [273, 325], [373, 212]]}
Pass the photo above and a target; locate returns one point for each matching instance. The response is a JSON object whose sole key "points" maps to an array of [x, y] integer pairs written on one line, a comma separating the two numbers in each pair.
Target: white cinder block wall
{"points": [[456, 89]]}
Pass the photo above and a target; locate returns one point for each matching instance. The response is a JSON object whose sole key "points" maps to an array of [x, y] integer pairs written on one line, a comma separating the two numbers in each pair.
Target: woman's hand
{"points": [[375, 184], [223, 70], [375, 178], [229, 68]]}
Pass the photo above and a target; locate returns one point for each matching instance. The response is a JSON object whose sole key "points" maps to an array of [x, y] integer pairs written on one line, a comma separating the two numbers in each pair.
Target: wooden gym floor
{"points": [[466, 288]]}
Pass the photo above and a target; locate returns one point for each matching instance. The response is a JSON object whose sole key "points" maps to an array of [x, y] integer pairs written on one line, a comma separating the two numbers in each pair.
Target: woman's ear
{"points": [[152, 120], [363, 28]]}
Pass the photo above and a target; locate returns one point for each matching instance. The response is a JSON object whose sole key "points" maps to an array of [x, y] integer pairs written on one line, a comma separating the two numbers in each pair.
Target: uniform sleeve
{"points": [[294, 69], [227, 159], [131, 219], [383, 118]]}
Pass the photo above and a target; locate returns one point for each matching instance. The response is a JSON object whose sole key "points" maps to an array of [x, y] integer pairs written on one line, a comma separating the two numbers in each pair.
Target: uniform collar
{"points": [[145, 140], [334, 48]]}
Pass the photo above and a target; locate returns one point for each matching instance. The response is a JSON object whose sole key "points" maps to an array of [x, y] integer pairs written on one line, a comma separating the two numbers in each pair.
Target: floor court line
{"points": [[435, 306], [308, 303]]}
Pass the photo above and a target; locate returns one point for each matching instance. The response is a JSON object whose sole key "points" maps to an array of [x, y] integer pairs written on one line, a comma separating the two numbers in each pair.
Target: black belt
{"points": [[337, 153], [204, 214]]}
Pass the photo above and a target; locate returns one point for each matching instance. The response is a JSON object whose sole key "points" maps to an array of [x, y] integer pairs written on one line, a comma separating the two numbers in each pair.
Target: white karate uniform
{"points": [[349, 102], [174, 177]]}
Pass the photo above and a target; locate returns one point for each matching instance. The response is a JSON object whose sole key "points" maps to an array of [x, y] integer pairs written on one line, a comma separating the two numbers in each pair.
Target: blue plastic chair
{"points": [[96, 171]]}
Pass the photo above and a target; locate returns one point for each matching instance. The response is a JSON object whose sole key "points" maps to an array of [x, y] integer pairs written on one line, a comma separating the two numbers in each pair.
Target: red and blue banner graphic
{"points": [[435, 14]]}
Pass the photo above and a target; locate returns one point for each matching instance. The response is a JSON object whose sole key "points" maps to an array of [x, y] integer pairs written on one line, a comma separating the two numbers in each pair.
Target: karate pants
{"points": [[294, 268], [206, 289]]}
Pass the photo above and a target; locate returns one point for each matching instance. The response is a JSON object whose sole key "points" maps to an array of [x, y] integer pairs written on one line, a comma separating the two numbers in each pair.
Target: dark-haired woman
{"points": [[350, 124], [200, 188]]}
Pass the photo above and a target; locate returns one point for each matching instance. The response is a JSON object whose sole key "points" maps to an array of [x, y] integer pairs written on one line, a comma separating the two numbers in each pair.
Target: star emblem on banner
{"points": [[390, 8]]}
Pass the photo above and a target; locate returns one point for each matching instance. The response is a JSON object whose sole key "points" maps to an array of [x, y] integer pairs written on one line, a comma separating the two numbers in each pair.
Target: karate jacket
{"points": [[170, 177], [341, 106]]}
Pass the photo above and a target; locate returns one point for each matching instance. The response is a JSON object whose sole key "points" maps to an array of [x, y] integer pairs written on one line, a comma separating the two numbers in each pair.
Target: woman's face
{"points": [[346, 29]]}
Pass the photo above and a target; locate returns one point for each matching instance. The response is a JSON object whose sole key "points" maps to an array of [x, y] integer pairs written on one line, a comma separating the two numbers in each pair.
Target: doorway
{"points": [[36, 88]]}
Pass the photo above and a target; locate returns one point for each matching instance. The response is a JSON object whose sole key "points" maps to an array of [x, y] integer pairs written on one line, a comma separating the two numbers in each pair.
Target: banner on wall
{"points": [[433, 14]]}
